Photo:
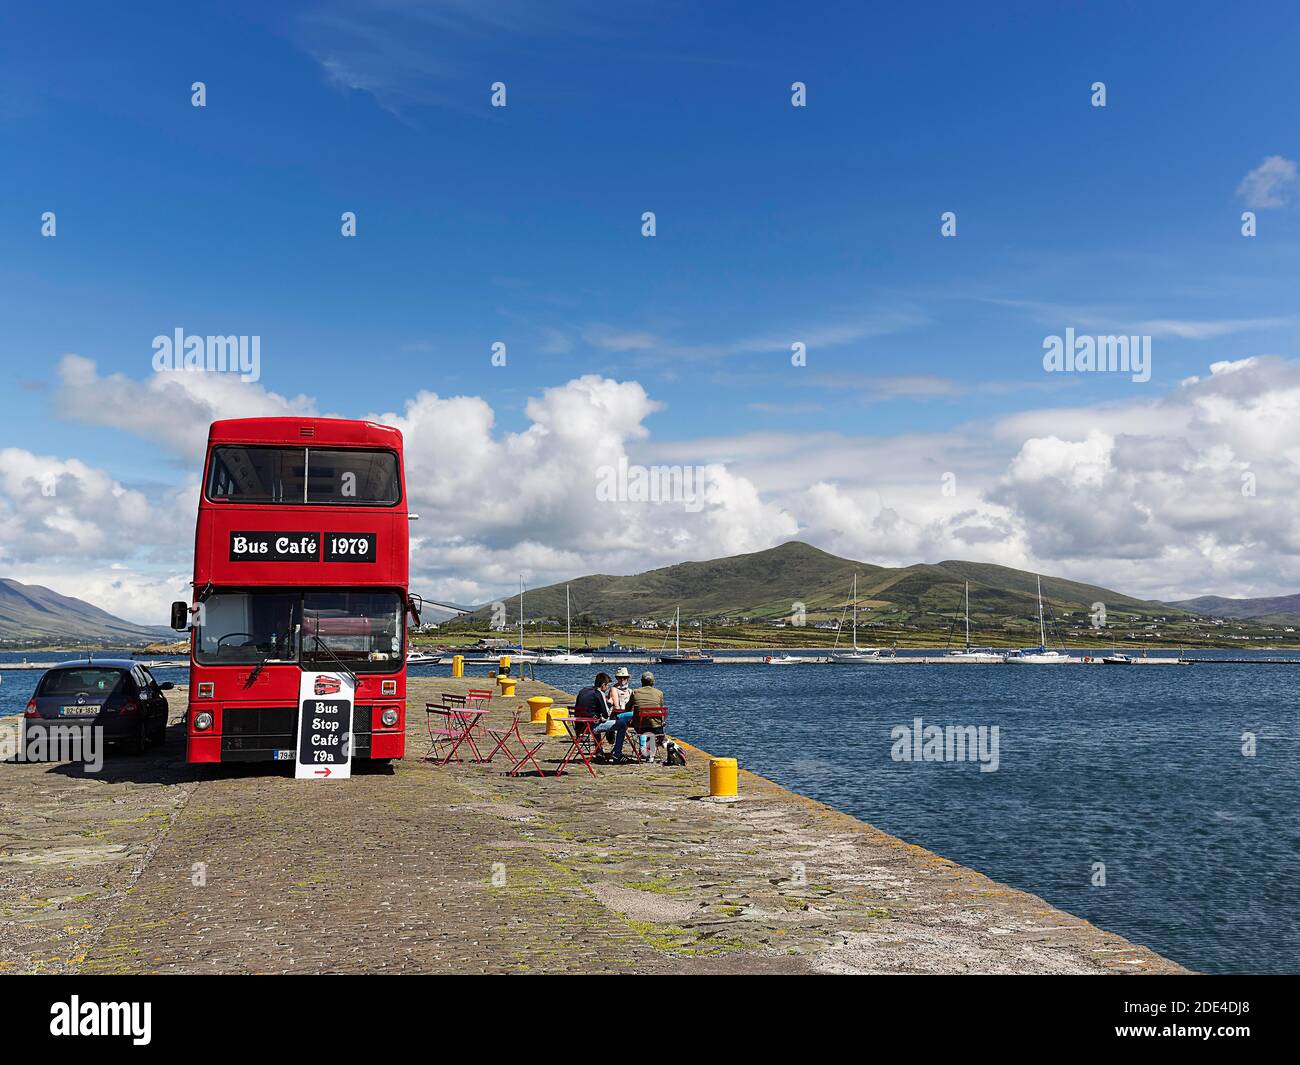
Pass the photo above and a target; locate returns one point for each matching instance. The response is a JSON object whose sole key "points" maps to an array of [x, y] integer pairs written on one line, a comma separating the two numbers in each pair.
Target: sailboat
{"points": [[685, 658], [520, 653], [1040, 655], [568, 658], [974, 654], [858, 654]]}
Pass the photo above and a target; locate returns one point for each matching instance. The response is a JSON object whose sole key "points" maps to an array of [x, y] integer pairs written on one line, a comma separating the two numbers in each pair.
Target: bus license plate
{"points": [[284, 756]]}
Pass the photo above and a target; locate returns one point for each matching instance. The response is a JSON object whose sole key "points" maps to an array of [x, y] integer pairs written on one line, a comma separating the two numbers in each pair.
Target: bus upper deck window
{"points": [[296, 475], [364, 477], [258, 474]]}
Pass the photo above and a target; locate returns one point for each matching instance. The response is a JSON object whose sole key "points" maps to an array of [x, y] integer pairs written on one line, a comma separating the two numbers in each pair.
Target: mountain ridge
{"points": [[767, 585], [1273, 608], [33, 613]]}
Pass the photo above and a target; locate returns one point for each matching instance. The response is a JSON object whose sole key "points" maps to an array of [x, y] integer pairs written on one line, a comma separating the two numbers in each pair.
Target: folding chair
{"points": [[581, 742], [529, 755], [437, 736], [503, 735], [478, 698], [453, 701], [459, 729]]}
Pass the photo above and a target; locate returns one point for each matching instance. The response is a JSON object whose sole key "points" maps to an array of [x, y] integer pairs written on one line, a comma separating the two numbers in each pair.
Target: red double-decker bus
{"points": [[300, 564]]}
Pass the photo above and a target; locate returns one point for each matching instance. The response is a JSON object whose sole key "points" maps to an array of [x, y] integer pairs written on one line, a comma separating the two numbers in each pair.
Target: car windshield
{"points": [[361, 630], [303, 475], [91, 681], [248, 628]]}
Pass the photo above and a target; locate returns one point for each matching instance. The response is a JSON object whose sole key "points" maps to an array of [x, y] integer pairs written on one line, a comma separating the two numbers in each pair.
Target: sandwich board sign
{"points": [[324, 727]]}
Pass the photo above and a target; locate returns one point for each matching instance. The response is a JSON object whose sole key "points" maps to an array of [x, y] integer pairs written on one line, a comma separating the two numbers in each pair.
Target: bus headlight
{"points": [[202, 722], [389, 717]]}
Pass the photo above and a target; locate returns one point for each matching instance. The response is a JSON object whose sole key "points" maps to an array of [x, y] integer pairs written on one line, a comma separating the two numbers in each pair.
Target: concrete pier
{"points": [[156, 866]]}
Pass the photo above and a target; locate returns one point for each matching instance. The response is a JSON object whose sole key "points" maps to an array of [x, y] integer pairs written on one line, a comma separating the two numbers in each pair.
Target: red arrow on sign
{"points": [[323, 772]]}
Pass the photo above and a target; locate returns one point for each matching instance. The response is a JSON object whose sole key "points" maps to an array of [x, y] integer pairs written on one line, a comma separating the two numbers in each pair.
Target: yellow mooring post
{"points": [[507, 685], [537, 707], [555, 721], [457, 665], [722, 778]]}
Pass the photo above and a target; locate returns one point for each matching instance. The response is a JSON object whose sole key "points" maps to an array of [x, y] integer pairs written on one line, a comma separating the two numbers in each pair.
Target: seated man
{"points": [[591, 701], [595, 702], [649, 713]]}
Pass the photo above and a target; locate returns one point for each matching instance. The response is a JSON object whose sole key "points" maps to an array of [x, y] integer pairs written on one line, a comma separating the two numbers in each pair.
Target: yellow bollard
{"points": [[555, 721], [537, 707], [503, 664], [507, 686], [722, 778], [457, 665]]}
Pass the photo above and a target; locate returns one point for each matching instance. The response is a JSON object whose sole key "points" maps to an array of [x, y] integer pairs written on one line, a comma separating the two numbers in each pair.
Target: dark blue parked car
{"points": [[117, 694]]}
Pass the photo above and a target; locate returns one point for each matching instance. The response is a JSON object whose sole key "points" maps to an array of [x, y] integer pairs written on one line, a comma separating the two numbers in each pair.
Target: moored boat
{"points": [[1040, 655]]}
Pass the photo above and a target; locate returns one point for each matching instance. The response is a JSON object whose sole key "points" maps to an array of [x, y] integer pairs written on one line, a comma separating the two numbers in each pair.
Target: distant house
{"points": [[832, 625]]}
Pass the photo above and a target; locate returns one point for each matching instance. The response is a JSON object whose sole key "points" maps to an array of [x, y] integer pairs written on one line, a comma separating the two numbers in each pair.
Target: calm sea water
{"points": [[1138, 768]]}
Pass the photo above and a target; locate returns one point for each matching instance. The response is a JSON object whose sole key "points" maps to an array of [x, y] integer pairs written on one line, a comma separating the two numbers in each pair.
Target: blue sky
{"points": [[775, 224]]}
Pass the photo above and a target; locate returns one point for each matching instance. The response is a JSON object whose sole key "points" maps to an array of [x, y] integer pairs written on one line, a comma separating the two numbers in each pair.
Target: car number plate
{"points": [[78, 711], [284, 756]]}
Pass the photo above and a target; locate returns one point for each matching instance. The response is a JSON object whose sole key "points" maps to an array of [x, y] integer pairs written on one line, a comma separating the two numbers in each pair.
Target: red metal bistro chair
{"points": [[458, 728], [503, 736], [478, 698]]}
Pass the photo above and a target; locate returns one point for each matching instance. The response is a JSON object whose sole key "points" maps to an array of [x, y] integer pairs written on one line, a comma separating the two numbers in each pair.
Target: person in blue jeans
{"points": [[619, 719]]}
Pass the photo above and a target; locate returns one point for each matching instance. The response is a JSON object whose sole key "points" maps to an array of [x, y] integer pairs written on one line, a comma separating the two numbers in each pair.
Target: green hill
{"points": [[1272, 610], [766, 585], [32, 614]]}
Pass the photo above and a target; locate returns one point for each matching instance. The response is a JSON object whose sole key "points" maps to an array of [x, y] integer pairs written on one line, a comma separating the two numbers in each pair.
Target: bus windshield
{"points": [[248, 628], [362, 630], [297, 475], [321, 629]]}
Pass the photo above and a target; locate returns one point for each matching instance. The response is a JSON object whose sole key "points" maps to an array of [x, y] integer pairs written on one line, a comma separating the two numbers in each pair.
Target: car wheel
{"points": [[159, 735]]}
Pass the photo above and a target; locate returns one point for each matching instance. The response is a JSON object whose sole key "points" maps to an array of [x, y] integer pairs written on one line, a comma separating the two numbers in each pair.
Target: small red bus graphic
{"points": [[327, 685]]}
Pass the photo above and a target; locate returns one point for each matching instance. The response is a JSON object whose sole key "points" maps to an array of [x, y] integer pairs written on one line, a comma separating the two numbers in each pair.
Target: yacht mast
{"points": [[968, 615], [1042, 633], [855, 610]]}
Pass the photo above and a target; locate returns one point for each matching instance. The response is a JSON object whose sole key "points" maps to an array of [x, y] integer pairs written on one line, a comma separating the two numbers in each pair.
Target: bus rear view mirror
{"points": [[180, 616]]}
